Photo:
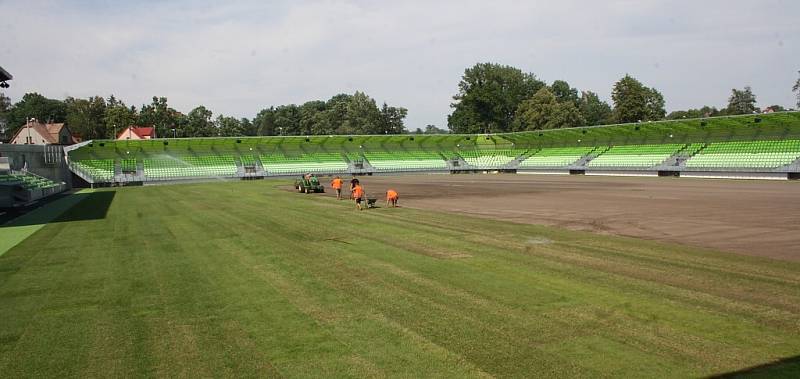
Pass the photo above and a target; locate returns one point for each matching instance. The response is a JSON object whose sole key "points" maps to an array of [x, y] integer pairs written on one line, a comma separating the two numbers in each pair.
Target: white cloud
{"points": [[240, 57]]}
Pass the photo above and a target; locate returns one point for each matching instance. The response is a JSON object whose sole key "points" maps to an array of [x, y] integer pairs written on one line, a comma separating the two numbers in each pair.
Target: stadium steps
{"points": [[596, 152], [794, 166], [516, 161], [587, 158], [679, 159]]}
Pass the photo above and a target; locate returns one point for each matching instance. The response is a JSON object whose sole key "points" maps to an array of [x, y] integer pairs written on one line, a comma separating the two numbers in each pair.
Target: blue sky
{"points": [[239, 57]]}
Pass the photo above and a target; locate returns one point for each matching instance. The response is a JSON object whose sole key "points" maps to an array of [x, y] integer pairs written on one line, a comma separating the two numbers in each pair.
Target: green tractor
{"points": [[308, 184]]}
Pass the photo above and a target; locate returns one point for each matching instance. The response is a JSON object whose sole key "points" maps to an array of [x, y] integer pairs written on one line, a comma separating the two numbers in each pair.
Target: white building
{"points": [[37, 133]]}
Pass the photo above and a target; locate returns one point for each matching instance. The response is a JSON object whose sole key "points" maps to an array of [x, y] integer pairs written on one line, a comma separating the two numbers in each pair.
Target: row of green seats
{"points": [[403, 154], [489, 158], [28, 182], [405, 160], [302, 157], [401, 165], [306, 167], [638, 161], [100, 170], [742, 160], [172, 167], [636, 156], [667, 148], [766, 146], [555, 157]]}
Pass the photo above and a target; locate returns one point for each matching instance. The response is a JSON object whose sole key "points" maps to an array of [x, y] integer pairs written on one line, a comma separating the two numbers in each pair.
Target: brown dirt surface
{"points": [[751, 217]]}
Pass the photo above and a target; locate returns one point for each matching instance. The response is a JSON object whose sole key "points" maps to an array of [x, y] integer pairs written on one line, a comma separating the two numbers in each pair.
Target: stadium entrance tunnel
{"points": [[669, 173], [794, 176]]}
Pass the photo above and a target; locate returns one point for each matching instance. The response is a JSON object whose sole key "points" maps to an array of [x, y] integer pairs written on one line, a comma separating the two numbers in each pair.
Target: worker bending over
{"points": [[353, 183], [336, 184], [358, 195], [391, 198]]}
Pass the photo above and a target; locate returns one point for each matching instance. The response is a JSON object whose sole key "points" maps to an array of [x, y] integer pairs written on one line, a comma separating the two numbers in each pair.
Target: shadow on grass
{"points": [[88, 206], [783, 368]]}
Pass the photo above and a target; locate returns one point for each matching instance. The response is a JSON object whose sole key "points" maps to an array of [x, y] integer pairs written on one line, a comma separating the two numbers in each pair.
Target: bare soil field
{"points": [[752, 217]]}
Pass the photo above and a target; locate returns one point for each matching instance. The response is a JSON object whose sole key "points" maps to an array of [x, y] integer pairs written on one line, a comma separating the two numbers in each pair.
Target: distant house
{"points": [[137, 132], [37, 133]]}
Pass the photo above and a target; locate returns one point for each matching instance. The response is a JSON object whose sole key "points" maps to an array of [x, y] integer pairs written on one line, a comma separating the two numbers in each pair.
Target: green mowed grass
{"points": [[245, 279]]}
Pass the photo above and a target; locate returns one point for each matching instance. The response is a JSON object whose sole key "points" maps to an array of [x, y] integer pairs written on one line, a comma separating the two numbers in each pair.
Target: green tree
{"points": [[336, 114], [229, 126], [594, 110], [655, 105], [264, 122], [312, 118], [432, 129], [118, 116], [5, 107], [488, 97], [391, 119], [363, 116], [34, 105], [563, 92], [86, 117], [199, 123], [160, 115], [248, 127], [287, 120], [705, 111], [742, 101], [634, 102], [5, 103], [796, 88], [544, 111]]}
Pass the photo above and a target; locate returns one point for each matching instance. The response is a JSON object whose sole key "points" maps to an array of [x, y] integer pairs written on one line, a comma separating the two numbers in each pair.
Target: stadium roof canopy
{"points": [[4, 75]]}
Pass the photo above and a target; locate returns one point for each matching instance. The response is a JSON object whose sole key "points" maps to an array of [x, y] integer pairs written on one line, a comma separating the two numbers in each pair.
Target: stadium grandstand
{"points": [[19, 188], [761, 145]]}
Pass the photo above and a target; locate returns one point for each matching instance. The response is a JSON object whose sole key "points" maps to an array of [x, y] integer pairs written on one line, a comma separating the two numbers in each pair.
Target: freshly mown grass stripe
{"points": [[243, 279]]}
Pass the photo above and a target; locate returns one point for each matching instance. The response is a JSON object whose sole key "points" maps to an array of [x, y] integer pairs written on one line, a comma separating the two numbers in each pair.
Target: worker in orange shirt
{"points": [[391, 198], [336, 184], [358, 195]]}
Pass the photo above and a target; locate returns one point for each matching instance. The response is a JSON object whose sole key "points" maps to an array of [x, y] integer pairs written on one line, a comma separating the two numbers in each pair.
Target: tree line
{"points": [[97, 117], [496, 98], [491, 98]]}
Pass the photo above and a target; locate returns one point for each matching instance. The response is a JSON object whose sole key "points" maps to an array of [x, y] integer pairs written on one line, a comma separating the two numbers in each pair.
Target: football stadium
{"points": [[632, 250], [399, 189]]}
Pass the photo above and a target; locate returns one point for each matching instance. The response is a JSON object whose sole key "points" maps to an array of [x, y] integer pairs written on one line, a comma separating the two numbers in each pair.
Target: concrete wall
{"points": [[47, 161]]}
